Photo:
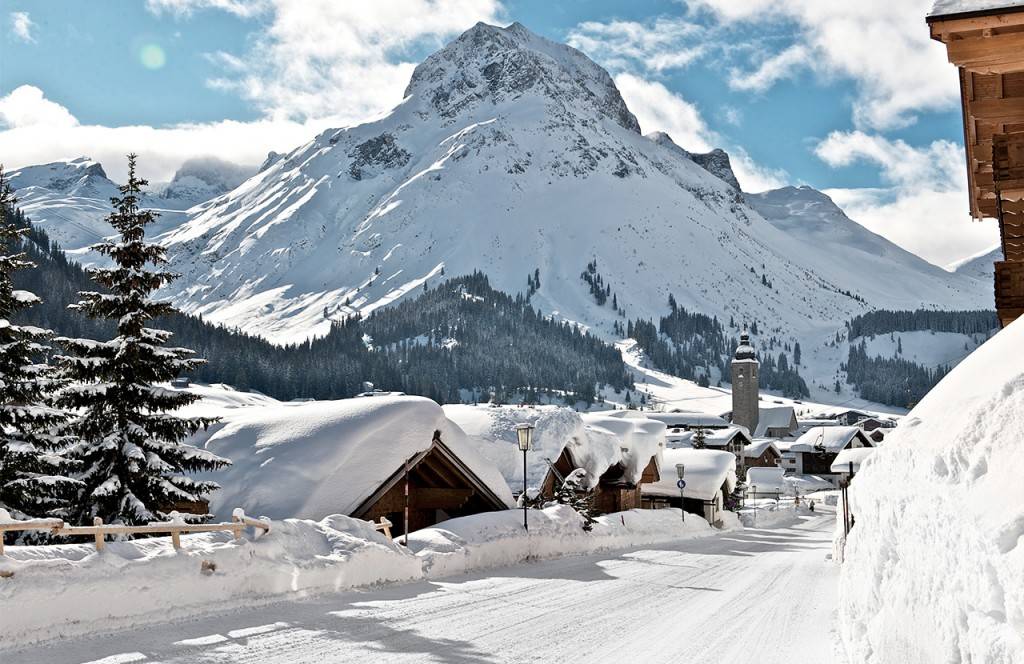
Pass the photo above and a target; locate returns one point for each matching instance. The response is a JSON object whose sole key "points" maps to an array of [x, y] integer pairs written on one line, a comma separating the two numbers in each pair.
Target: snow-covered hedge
{"points": [[65, 590], [71, 589], [934, 566], [498, 539]]}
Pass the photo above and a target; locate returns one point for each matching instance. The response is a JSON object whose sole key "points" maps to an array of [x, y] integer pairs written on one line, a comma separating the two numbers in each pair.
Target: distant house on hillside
{"points": [[762, 453], [776, 422], [710, 476], [814, 451], [850, 417]]}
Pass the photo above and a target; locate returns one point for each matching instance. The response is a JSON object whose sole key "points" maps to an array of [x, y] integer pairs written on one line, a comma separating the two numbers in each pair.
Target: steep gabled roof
{"points": [[775, 417], [948, 9], [830, 439]]}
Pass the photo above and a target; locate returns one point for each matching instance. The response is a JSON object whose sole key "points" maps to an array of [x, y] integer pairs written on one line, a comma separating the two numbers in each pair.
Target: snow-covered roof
{"points": [[721, 437], [595, 442], [308, 460], [808, 483], [832, 439], [640, 438], [774, 417], [947, 8], [854, 455], [767, 480], [706, 472], [689, 419], [758, 447]]}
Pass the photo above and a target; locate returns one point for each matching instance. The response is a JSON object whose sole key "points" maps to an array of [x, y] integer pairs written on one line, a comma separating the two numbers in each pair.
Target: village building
{"points": [[709, 475], [689, 420], [877, 436], [869, 424], [776, 422], [985, 40], [357, 457], [847, 463], [850, 417], [630, 445], [814, 452], [762, 453]]}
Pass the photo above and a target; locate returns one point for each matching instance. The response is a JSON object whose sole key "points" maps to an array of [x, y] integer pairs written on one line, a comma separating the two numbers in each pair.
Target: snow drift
{"points": [[934, 568]]}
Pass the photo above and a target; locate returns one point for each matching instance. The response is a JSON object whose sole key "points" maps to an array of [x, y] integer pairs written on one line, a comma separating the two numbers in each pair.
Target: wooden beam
{"points": [[1008, 109], [998, 54], [948, 29]]}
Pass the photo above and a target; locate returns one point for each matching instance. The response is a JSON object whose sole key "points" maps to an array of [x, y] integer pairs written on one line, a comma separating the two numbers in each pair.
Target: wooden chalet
{"points": [[440, 487], [762, 453], [985, 40], [817, 449], [614, 492]]}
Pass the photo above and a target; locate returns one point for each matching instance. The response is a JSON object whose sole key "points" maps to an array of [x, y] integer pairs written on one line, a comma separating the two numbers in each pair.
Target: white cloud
{"points": [[242, 8], [659, 109], [934, 224], [939, 166], [665, 43], [39, 131], [21, 26], [25, 106], [925, 210], [772, 70], [882, 45], [344, 60]]}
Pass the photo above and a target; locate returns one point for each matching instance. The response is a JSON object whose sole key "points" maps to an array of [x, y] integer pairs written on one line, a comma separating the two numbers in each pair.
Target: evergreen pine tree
{"points": [[130, 445], [32, 473], [700, 439]]}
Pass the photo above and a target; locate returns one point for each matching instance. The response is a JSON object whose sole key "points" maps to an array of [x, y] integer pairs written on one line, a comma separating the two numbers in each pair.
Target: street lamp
{"points": [[524, 433], [680, 470]]}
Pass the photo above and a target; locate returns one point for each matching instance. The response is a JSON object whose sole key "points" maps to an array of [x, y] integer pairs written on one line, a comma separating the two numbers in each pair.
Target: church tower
{"points": [[745, 368]]}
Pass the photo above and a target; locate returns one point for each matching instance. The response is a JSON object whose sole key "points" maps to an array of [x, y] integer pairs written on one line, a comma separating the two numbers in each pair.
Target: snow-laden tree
{"points": [[130, 444], [574, 494], [32, 472]]}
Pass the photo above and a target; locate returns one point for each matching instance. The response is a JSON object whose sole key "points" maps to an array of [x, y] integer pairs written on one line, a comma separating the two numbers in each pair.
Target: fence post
{"points": [[176, 538], [98, 522]]}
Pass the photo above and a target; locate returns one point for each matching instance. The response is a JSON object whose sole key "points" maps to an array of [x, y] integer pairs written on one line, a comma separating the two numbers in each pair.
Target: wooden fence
{"points": [[99, 531]]}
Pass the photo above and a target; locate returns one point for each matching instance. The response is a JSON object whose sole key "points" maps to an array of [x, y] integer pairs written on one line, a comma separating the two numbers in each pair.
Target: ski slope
{"points": [[755, 595]]}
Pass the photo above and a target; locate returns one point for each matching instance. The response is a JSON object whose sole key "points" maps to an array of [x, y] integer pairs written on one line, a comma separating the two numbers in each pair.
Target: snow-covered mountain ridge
{"points": [[71, 198], [511, 153]]}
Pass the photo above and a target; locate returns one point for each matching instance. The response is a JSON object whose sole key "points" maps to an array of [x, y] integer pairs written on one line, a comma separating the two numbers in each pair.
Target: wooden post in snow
{"points": [[97, 521], [407, 502]]}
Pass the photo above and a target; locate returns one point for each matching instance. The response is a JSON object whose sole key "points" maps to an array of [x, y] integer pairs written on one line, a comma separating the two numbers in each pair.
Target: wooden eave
{"points": [[417, 463]]}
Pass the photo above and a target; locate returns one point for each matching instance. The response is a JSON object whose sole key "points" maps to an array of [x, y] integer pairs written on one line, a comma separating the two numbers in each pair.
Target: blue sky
{"points": [[854, 100]]}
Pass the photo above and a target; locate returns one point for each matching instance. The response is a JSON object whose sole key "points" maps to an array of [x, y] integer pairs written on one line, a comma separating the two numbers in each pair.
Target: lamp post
{"points": [[680, 470], [524, 432]]}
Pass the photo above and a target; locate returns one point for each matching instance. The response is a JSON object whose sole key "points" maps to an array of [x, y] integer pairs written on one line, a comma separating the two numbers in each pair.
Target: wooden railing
{"points": [[98, 530]]}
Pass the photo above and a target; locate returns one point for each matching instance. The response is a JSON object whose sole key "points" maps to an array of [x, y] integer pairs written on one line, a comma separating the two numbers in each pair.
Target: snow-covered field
{"points": [[764, 594], [934, 567]]}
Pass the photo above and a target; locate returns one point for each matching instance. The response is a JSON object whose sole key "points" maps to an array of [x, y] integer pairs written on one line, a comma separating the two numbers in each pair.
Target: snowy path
{"points": [[756, 595]]}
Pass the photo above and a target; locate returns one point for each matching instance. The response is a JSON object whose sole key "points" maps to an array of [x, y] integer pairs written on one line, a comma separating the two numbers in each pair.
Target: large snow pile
{"points": [[59, 591], [312, 459], [639, 439], [934, 567], [498, 539]]}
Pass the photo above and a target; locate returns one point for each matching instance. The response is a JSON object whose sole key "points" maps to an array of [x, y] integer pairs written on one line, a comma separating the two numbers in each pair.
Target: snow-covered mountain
{"points": [[70, 198], [981, 266], [511, 153]]}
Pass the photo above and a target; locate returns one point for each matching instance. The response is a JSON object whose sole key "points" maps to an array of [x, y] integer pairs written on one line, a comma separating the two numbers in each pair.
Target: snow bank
{"points": [[498, 539], [934, 567], [316, 458], [64, 590]]}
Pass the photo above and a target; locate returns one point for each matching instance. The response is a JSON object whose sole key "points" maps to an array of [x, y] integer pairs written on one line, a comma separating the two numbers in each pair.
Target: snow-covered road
{"points": [[754, 595]]}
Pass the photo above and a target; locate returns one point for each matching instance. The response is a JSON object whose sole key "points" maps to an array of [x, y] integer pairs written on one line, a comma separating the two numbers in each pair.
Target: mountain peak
{"points": [[488, 64], [715, 162]]}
